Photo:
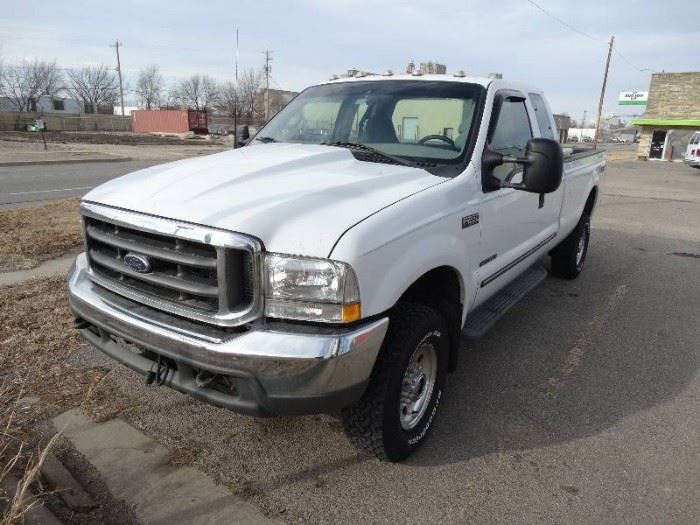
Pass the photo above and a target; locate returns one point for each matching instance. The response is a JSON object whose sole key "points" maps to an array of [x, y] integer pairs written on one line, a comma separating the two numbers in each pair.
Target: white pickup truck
{"points": [[337, 261]]}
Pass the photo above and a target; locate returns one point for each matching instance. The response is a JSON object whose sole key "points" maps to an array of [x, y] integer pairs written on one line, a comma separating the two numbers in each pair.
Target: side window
{"points": [[542, 116], [511, 134]]}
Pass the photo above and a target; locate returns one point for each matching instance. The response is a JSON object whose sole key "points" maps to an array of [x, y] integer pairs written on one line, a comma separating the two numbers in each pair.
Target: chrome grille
{"points": [[201, 273]]}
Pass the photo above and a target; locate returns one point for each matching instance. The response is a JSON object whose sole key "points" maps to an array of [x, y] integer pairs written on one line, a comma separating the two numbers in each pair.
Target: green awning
{"points": [[665, 122]]}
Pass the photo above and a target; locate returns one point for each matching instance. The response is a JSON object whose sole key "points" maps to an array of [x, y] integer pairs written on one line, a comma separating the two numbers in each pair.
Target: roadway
{"points": [[21, 185]]}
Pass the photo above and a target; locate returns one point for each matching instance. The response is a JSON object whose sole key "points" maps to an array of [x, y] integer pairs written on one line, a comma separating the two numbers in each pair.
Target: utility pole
{"points": [[236, 55], [602, 93], [583, 125], [235, 102], [119, 71], [268, 59]]}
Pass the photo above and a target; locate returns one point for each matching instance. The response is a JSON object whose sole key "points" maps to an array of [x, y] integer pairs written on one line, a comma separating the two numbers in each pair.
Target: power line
{"points": [[565, 24], [586, 35]]}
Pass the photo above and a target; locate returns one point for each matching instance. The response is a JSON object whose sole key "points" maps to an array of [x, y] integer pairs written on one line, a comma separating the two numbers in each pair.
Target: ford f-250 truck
{"points": [[337, 261]]}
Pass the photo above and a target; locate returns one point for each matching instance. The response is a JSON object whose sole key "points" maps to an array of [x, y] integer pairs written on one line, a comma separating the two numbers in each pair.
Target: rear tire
{"points": [[569, 257], [394, 416]]}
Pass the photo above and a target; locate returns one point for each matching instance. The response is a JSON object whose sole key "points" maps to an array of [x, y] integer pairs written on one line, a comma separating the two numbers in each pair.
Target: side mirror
{"points": [[543, 167]]}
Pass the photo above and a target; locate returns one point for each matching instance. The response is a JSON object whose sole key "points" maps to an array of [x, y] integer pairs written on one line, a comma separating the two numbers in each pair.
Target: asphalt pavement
{"points": [[34, 183], [582, 405]]}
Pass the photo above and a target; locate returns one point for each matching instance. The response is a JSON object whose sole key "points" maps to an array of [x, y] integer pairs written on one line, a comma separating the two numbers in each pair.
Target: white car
{"points": [[338, 261], [692, 152]]}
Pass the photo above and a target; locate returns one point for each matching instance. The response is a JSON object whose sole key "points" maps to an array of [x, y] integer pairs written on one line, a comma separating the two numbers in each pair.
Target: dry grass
{"points": [[31, 235], [36, 341], [37, 338], [18, 499]]}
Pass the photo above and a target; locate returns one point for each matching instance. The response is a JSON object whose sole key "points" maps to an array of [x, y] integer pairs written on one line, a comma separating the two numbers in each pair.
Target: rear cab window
{"points": [[543, 115]]}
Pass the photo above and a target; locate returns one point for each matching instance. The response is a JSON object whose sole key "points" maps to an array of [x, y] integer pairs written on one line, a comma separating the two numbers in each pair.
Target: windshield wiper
{"points": [[266, 140], [378, 153]]}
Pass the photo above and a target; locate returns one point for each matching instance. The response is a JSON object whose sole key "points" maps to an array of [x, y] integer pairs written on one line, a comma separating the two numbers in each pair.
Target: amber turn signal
{"points": [[351, 312]]}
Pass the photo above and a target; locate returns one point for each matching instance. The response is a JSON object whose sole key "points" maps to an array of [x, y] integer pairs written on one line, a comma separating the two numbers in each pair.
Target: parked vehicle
{"points": [[692, 152], [339, 259]]}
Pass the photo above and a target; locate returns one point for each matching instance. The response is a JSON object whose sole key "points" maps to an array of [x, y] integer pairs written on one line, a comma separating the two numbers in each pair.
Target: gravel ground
{"points": [[581, 406]]}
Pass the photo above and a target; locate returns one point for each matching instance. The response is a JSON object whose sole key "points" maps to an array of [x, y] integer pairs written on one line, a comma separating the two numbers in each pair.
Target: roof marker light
{"points": [[459, 73]]}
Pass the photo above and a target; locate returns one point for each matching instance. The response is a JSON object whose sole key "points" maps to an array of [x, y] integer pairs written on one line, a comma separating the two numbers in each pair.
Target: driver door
{"points": [[514, 225]]}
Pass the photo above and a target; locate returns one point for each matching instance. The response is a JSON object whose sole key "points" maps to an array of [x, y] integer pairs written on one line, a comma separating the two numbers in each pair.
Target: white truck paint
{"points": [[411, 236]]}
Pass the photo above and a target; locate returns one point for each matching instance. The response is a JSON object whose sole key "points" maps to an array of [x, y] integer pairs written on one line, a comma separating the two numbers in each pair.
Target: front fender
{"points": [[393, 248]]}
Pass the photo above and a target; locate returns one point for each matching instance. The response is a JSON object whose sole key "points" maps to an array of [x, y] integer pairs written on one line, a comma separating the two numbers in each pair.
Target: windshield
{"points": [[415, 120]]}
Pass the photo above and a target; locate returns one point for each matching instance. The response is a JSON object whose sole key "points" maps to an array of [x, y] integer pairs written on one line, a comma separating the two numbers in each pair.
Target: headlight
{"points": [[309, 289]]}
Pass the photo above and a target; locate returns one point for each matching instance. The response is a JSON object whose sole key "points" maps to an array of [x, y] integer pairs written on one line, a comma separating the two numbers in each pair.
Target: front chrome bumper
{"points": [[290, 370]]}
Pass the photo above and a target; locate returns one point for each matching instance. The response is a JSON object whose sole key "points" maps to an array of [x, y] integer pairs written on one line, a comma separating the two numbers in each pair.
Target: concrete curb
{"points": [[136, 469], [38, 514], [61, 161], [57, 266]]}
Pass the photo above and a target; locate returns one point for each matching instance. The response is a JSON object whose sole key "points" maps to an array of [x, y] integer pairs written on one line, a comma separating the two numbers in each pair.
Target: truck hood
{"points": [[295, 198]]}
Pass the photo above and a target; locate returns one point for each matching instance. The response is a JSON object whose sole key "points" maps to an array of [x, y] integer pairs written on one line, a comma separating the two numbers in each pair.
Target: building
{"points": [[117, 110], [563, 123], [45, 104], [671, 117]]}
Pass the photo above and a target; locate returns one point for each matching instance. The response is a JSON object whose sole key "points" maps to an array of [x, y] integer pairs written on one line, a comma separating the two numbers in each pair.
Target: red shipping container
{"points": [[168, 121]]}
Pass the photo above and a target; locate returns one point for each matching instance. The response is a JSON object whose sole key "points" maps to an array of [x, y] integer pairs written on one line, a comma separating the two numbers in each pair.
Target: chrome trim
{"points": [[517, 261], [220, 239], [286, 363]]}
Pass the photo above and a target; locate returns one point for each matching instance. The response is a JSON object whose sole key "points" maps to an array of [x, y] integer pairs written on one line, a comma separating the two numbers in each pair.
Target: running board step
{"points": [[480, 320]]}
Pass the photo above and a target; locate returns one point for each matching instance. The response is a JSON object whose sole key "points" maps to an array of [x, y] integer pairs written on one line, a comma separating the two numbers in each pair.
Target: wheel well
{"points": [[440, 288], [590, 203]]}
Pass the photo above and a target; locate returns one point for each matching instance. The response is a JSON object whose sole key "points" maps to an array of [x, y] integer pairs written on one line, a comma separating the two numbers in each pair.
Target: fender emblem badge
{"points": [[470, 220]]}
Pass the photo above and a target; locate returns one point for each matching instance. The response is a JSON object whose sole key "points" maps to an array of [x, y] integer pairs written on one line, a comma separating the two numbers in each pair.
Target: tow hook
{"points": [[80, 323], [160, 374], [204, 378]]}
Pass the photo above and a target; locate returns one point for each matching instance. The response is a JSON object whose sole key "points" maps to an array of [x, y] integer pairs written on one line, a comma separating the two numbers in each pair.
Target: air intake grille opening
{"points": [[191, 277]]}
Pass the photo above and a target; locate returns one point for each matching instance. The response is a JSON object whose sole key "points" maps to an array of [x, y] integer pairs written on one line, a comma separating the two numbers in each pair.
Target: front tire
{"points": [[569, 257], [394, 416]]}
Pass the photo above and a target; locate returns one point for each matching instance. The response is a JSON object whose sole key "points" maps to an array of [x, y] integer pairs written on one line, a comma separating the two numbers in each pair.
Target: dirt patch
{"points": [[37, 339], [31, 235]]}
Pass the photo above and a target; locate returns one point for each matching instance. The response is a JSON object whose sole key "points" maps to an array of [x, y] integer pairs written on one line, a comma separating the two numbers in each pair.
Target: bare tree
{"points": [[230, 100], [149, 86], [25, 82], [249, 86], [96, 86], [198, 92]]}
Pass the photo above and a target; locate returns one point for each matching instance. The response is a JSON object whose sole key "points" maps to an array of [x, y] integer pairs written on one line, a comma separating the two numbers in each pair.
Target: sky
{"points": [[312, 39]]}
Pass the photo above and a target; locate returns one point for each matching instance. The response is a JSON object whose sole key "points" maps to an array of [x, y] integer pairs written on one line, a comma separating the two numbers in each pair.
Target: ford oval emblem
{"points": [[137, 263]]}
